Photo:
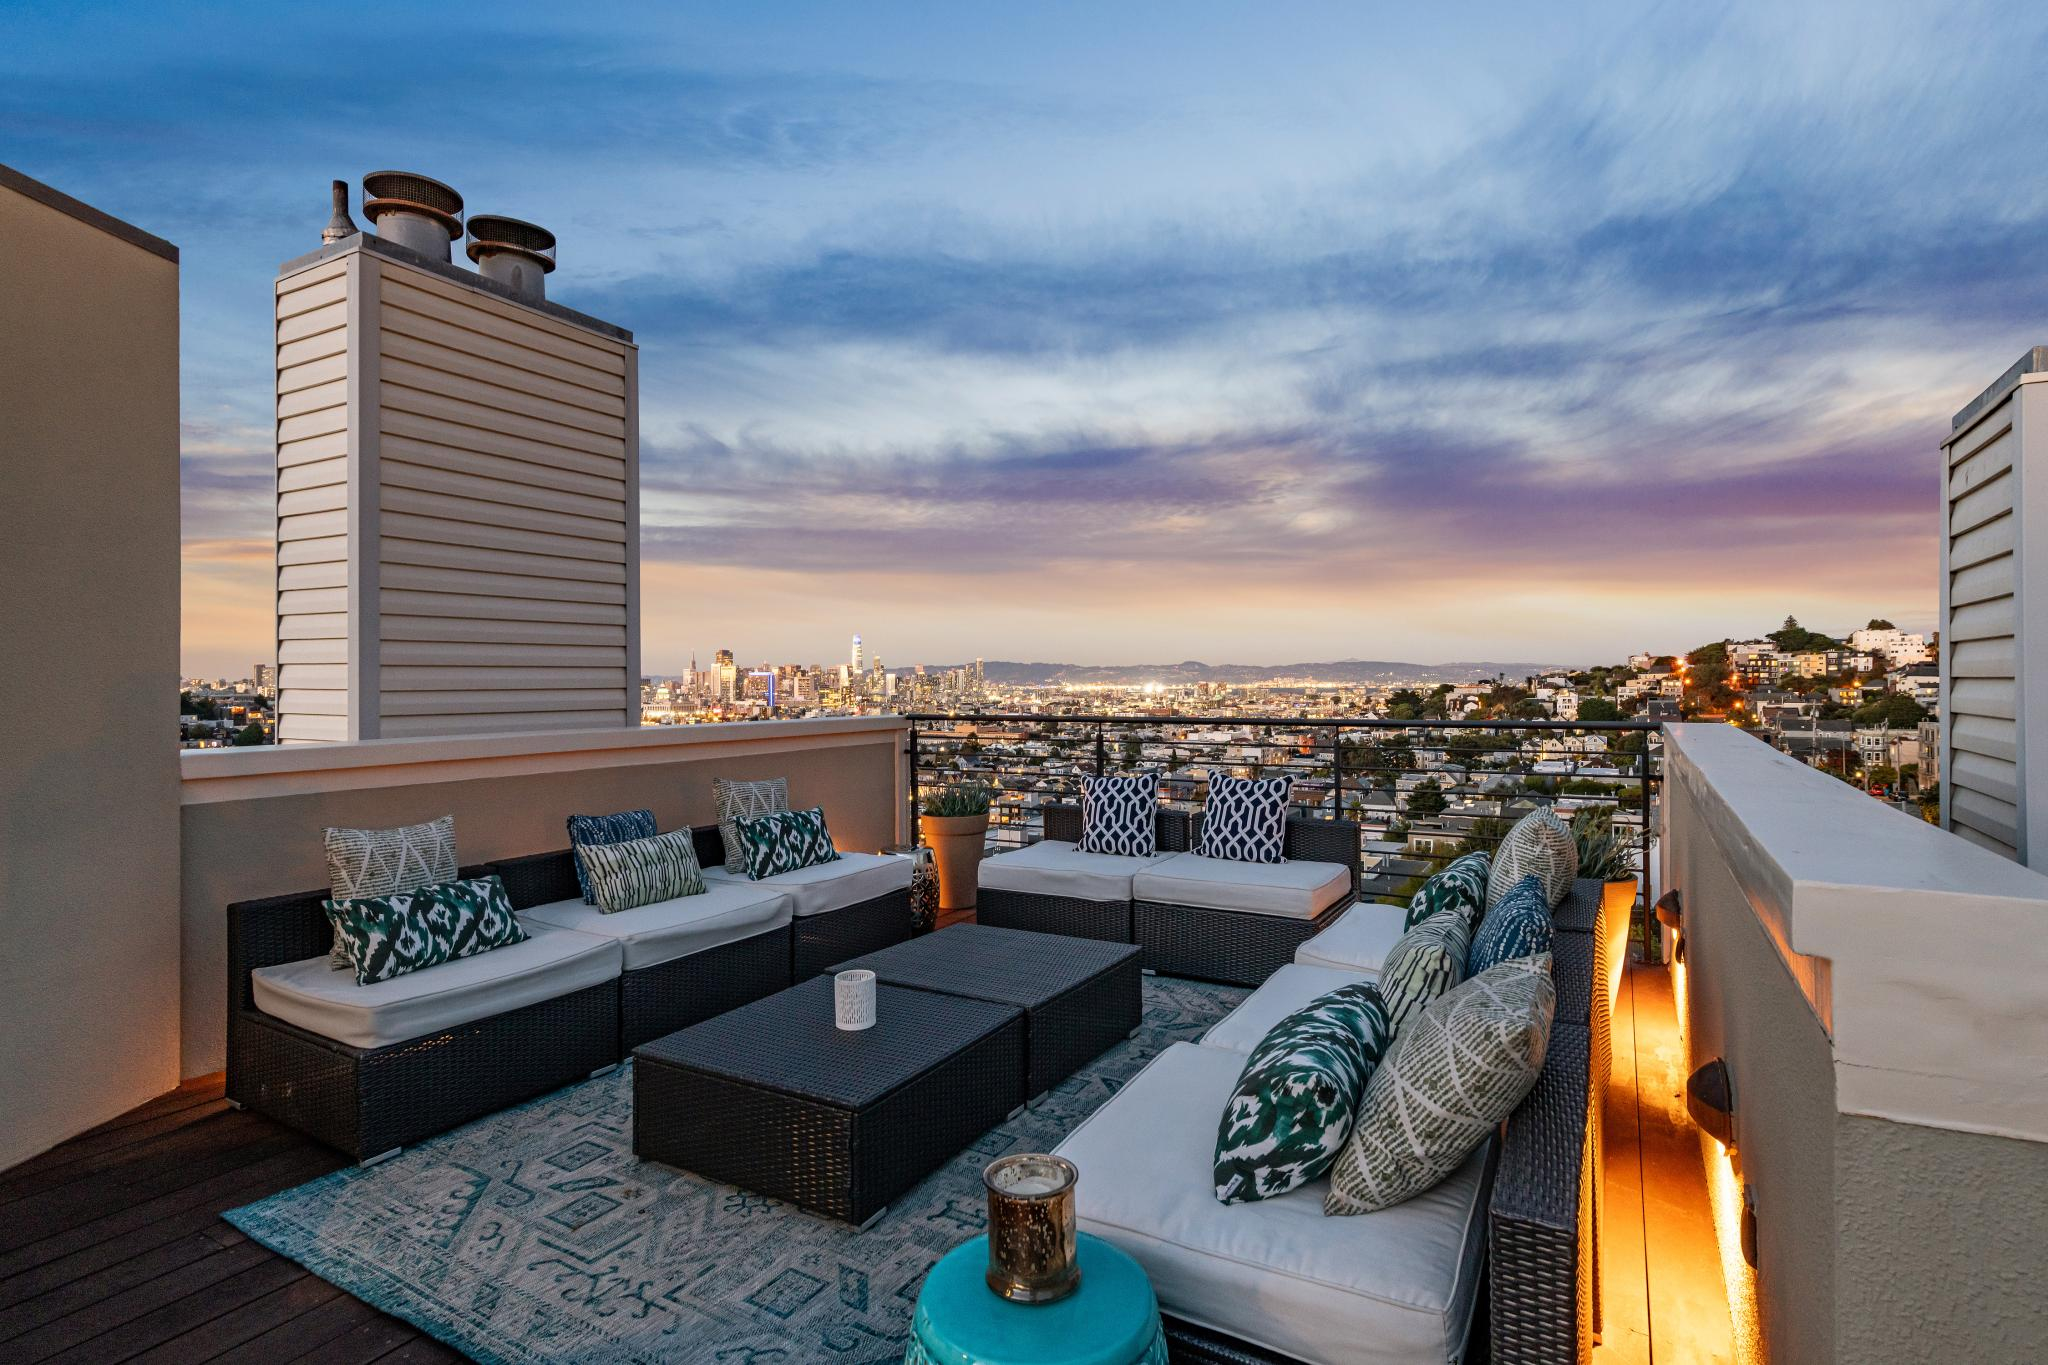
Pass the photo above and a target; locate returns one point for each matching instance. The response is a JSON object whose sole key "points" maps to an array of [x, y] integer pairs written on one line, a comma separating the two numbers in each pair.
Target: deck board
{"points": [[112, 1249]]}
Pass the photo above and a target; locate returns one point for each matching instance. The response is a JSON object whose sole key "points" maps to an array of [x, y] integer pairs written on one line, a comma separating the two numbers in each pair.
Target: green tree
{"points": [[1879, 623], [249, 735], [1598, 708], [1427, 798], [1884, 775]]}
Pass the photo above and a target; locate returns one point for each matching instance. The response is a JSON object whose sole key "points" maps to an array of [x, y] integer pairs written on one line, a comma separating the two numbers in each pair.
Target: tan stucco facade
{"points": [[89, 616], [253, 819]]}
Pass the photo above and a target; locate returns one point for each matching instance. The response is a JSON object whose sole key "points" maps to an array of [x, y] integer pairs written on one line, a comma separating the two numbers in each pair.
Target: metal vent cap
{"points": [[406, 192], [490, 233]]}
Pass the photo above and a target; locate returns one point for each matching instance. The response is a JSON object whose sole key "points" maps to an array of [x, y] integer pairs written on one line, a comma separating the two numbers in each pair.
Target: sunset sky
{"points": [[1115, 333]]}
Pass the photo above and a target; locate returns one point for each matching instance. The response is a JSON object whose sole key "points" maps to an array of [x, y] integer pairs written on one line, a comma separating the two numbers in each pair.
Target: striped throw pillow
{"points": [[735, 799], [643, 871], [1423, 964], [586, 830], [1457, 1073]]}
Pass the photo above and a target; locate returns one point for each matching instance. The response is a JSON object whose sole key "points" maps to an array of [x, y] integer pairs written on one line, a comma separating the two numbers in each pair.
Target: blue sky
{"points": [[1114, 333]]}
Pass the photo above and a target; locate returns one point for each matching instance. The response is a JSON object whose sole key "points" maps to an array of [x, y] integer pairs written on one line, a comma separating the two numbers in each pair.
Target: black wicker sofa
{"points": [[1228, 937], [1514, 1229], [336, 1071]]}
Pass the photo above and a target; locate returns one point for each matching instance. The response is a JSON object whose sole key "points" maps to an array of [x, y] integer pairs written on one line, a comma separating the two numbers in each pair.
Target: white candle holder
{"points": [[853, 995]]}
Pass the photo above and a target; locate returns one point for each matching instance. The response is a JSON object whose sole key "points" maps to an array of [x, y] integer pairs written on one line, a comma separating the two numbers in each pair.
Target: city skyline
{"points": [[1281, 342]]}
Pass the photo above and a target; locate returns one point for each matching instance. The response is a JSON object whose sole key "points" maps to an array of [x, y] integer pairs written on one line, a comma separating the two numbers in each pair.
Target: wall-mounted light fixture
{"points": [[1749, 1224], [1671, 914], [1711, 1102]]}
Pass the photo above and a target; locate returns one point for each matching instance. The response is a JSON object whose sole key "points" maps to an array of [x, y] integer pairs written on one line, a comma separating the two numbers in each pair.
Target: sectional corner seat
{"points": [[1278, 1281], [1207, 918], [370, 1069]]}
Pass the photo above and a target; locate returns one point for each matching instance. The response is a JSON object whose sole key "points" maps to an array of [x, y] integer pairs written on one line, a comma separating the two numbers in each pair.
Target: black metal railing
{"points": [[1422, 791]]}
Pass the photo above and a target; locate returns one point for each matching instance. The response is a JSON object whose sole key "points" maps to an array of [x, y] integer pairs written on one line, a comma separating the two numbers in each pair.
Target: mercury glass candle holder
{"points": [[1031, 1227]]}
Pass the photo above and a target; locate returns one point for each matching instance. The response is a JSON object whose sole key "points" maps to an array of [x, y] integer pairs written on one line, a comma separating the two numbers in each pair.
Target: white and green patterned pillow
{"points": [[1540, 846], [1423, 964], [642, 871], [408, 931], [378, 862], [735, 799], [785, 841], [1454, 1076], [1295, 1100], [1462, 884]]}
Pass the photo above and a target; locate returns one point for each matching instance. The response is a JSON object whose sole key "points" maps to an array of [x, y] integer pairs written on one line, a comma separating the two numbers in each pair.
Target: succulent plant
{"points": [[972, 799], [1606, 854]]}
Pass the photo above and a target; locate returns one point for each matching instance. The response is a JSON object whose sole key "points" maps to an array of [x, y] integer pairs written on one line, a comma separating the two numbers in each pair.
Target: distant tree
{"points": [[1794, 638], [1486, 833], [1884, 775], [1427, 798], [1879, 623], [1134, 750], [249, 735], [1893, 713], [1598, 708]]}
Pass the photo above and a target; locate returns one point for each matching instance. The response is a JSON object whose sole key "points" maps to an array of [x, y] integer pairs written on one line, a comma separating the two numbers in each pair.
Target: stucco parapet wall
{"points": [[1924, 956], [245, 774]]}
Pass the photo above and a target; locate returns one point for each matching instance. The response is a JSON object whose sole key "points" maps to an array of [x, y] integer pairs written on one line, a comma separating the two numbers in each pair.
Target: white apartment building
{"points": [[1897, 647]]}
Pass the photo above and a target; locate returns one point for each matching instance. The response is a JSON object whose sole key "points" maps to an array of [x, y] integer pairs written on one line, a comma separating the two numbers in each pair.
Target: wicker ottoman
{"points": [[1080, 996], [774, 1098]]}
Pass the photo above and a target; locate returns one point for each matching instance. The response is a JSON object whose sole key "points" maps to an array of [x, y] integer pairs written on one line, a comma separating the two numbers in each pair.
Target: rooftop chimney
{"points": [[413, 211], [516, 254], [339, 226]]}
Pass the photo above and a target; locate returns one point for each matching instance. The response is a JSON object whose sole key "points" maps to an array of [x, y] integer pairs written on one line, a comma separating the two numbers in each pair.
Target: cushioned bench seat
{"points": [[1052, 867], [314, 996], [1359, 941], [1393, 1286], [847, 880], [653, 934], [1296, 890], [1285, 991]]}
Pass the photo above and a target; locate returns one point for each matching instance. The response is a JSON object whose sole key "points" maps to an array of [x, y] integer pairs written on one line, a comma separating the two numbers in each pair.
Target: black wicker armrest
{"points": [[271, 932], [1063, 824], [1540, 1218], [1326, 841], [709, 843]]}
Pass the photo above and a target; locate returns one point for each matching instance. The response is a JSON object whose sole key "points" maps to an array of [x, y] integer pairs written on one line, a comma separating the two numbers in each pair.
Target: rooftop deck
{"points": [[112, 1247]]}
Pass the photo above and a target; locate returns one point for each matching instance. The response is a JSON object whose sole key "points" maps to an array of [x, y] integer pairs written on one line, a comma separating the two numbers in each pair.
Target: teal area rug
{"points": [[535, 1235]]}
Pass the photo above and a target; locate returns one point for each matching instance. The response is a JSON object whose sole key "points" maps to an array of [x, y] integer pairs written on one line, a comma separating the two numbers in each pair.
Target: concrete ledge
{"points": [[1924, 956], [244, 774]]}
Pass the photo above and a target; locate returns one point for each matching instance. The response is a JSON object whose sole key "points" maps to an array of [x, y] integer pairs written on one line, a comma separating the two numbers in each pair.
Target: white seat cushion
{"points": [[319, 999], [1297, 890], [1052, 868], [1398, 1285], [666, 930], [847, 880], [1359, 941], [1285, 991]]}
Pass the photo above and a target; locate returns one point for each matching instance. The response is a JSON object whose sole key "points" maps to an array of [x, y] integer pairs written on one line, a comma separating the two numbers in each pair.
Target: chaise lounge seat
{"points": [[856, 904], [1285, 991], [682, 960], [1358, 941], [371, 1069], [1052, 887]]}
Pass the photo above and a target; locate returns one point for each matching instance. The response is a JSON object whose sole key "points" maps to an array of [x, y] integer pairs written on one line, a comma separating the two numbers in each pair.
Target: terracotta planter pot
{"points": [[955, 842]]}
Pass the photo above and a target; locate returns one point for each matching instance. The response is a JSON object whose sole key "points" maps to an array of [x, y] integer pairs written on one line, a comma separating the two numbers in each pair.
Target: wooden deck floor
{"points": [[112, 1249]]}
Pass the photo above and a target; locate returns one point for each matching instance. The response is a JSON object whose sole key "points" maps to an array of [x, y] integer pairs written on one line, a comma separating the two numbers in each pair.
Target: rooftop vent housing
{"points": [[516, 254], [414, 211]]}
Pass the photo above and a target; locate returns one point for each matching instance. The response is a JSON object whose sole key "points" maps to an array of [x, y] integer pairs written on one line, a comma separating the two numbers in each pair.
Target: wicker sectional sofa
{"points": [[1277, 1282], [372, 1069], [1206, 918]]}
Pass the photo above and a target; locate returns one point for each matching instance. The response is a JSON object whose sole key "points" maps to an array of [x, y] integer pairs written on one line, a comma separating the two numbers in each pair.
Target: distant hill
{"points": [[1194, 671]]}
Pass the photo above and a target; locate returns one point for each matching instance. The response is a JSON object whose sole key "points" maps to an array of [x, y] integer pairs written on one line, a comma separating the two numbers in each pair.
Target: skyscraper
{"points": [[728, 676], [857, 670]]}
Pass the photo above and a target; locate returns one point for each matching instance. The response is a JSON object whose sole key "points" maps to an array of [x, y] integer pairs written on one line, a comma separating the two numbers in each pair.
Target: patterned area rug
{"points": [[535, 1235]]}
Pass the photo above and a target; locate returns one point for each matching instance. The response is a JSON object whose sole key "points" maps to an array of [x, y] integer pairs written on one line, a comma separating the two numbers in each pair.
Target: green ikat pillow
{"points": [[409, 931], [783, 841], [1292, 1110], [1462, 883]]}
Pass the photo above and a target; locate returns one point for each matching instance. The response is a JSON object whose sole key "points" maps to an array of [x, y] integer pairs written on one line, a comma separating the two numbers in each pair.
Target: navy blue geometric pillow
{"points": [[622, 828], [1244, 819], [1119, 814], [1517, 926]]}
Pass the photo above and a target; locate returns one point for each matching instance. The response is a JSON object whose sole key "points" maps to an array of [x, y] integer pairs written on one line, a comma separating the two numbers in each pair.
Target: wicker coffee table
{"points": [[774, 1098], [1081, 996]]}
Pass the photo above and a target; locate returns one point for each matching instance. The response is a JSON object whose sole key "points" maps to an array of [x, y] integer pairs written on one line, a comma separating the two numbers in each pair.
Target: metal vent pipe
{"points": [[515, 253], [414, 211]]}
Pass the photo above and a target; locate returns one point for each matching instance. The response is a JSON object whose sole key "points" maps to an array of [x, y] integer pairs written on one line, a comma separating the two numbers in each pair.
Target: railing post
{"points": [[916, 825], [1337, 769], [1099, 752]]}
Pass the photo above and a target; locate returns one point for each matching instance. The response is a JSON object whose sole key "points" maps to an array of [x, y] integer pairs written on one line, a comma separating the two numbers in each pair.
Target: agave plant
{"points": [[971, 799], [1606, 854]]}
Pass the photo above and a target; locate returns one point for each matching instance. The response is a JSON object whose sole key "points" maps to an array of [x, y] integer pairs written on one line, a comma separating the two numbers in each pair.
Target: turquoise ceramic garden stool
{"points": [[1112, 1319]]}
